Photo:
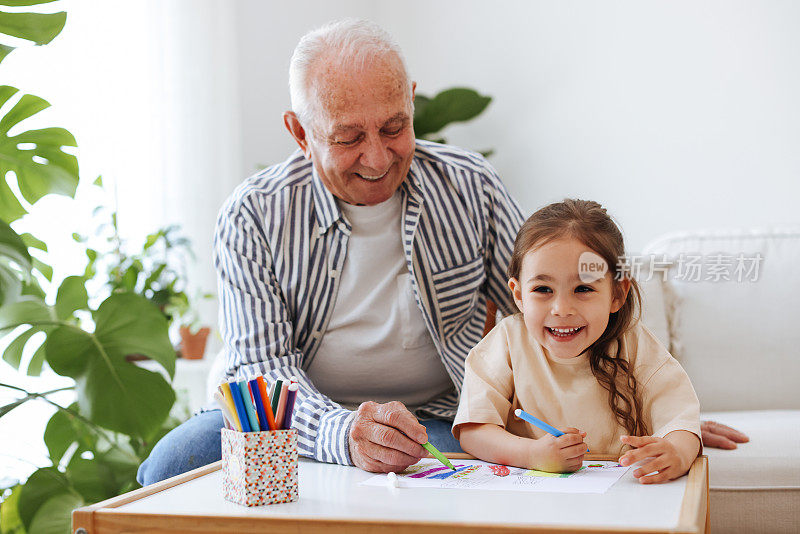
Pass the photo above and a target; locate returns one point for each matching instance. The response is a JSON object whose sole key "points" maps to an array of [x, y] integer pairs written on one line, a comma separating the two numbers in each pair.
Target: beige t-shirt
{"points": [[509, 369]]}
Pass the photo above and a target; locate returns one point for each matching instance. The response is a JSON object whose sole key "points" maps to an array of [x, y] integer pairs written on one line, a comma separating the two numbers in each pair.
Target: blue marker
{"points": [[238, 403], [249, 407], [539, 423]]}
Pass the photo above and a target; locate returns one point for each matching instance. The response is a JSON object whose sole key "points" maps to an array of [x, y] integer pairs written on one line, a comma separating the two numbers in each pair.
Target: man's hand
{"points": [[562, 454], [721, 436], [386, 437]]}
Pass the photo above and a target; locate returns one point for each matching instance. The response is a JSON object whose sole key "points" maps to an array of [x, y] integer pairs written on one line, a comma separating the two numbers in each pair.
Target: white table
{"points": [[331, 500]]}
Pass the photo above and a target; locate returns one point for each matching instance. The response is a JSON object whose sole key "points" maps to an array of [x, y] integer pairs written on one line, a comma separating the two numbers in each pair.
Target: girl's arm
{"points": [[494, 444], [670, 456]]}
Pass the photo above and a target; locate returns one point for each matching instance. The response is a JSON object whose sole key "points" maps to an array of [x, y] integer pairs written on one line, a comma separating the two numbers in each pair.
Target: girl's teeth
{"points": [[564, 331]]}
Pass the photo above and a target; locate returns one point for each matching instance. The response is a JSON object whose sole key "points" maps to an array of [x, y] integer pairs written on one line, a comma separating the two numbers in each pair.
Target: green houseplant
{"points": [[121, 410], [457, 104]]}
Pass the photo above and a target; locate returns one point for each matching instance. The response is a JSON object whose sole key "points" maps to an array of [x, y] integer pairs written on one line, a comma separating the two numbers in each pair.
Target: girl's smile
{"points": [[564, 334]]}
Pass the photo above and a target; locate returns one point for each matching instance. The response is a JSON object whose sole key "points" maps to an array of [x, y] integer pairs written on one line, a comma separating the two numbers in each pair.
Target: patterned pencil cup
{"points": [[259, 467]]}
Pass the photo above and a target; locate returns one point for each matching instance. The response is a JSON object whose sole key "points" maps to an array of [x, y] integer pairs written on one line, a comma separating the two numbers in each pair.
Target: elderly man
{"points": [[361, 265]]}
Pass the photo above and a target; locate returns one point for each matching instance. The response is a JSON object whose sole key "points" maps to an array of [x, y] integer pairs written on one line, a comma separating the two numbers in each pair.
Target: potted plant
{"points": [[193, 334]]}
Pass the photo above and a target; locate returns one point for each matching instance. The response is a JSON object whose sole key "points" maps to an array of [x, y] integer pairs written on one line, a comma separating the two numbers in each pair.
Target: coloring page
{"points": [[593, 477]]}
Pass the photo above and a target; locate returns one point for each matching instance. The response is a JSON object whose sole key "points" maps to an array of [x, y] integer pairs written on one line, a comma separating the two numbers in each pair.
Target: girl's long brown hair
{"points": [[589, 223]]}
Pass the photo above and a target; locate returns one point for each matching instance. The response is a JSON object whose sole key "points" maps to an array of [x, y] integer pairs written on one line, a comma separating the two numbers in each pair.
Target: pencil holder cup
{"points": [[259, 467]]}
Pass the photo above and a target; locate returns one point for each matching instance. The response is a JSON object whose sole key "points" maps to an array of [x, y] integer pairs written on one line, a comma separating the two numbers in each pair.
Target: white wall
{"points": [[675, 115]]}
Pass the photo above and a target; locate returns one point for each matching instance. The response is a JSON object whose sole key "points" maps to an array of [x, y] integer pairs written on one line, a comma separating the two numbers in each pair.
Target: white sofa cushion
{"points": [[739, 341], [756, 487]]}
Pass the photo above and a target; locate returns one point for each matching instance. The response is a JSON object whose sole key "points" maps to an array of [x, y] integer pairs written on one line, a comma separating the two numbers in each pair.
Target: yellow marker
{"points": [[225, 388]]}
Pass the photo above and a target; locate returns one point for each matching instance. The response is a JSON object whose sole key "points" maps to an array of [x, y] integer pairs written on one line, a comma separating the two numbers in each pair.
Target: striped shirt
{"points": [[281, 242]]}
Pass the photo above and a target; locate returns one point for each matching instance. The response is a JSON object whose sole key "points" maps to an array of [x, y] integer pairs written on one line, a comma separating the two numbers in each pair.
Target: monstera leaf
{"points": [[112, 392], [40, 28], [35, 156], [15, 262]]}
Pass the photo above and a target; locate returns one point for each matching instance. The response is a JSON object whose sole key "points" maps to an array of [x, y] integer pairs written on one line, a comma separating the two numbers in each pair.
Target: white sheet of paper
{"points": [[593, 477]]}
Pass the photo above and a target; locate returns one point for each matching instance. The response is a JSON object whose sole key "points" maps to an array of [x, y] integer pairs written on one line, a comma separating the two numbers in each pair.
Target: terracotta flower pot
{"points": [[193, 346]]}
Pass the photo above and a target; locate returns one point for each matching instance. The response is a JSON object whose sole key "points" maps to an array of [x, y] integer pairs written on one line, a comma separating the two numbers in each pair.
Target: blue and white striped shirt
{"points": [[280, 245]]}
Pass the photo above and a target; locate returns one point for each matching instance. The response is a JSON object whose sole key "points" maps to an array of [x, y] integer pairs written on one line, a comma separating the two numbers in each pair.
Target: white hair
{"points": [[354, 42]]}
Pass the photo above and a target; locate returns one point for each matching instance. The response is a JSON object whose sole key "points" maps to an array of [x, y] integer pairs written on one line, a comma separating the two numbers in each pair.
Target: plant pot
{"points": [[193, 346]]}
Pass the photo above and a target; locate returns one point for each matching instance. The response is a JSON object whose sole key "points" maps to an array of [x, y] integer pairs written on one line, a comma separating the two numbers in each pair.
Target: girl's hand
{"points": [[665, 458], [562, 454]]}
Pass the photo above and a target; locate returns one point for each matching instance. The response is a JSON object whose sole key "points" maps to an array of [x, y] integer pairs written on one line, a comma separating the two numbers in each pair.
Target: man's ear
{"points": [[516, 292], [297, 131], [413, 90], [621, 292]]}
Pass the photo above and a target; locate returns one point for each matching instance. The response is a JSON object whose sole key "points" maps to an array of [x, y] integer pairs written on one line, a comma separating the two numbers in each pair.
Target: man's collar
{"points": [[325, 205], [413, 185]]}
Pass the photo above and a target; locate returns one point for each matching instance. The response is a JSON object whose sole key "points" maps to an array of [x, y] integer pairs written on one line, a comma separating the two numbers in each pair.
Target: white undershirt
{"points": [[376, 346]]}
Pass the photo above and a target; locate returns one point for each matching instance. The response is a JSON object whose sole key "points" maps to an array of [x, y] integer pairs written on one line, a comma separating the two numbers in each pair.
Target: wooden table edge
{"points": [[695, 507], [693, 517]]}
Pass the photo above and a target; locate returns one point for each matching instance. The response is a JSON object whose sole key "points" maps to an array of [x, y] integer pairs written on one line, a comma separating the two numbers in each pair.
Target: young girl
{"points": [[576, 358]]}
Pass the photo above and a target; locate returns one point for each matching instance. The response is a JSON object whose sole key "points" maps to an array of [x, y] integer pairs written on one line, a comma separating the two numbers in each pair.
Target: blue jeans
{"points": [[197, 442]]}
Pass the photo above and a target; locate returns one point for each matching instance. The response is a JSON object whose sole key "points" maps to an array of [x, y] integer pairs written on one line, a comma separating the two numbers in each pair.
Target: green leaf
{"points": [[33, 242], [71, 296], [10, 523], [13, 256], [21, 3], [43, 268], [41, 28], [10, 285], [89, 478], [13, 353], [129, 324], [36, 363], [31, 288], [98, 181], [151, 240], [5, 50], [41, 170], [27, 310], [71, 351], [55, 515], [64, 429], [59, 434], [43, 484], [452, 105], [13, 247], [113, 392]]}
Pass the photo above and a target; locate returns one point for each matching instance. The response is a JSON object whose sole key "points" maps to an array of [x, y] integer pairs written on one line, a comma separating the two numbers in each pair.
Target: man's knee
{"points": [[193, 444]]}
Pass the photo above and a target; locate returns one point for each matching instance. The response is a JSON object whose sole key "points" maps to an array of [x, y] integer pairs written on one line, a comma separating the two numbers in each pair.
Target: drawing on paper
{"points": [[594, 477]]}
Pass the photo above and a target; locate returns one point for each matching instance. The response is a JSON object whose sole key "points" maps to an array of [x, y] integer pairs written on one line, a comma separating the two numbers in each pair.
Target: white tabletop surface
{"points": [[329, 491]]}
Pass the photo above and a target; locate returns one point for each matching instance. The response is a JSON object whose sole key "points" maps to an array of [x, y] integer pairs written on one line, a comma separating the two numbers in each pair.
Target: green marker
{"points": [[438, 455]]}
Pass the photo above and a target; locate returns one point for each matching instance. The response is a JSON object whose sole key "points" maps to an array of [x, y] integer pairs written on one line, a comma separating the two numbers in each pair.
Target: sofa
{"points": [[732, 319]]}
